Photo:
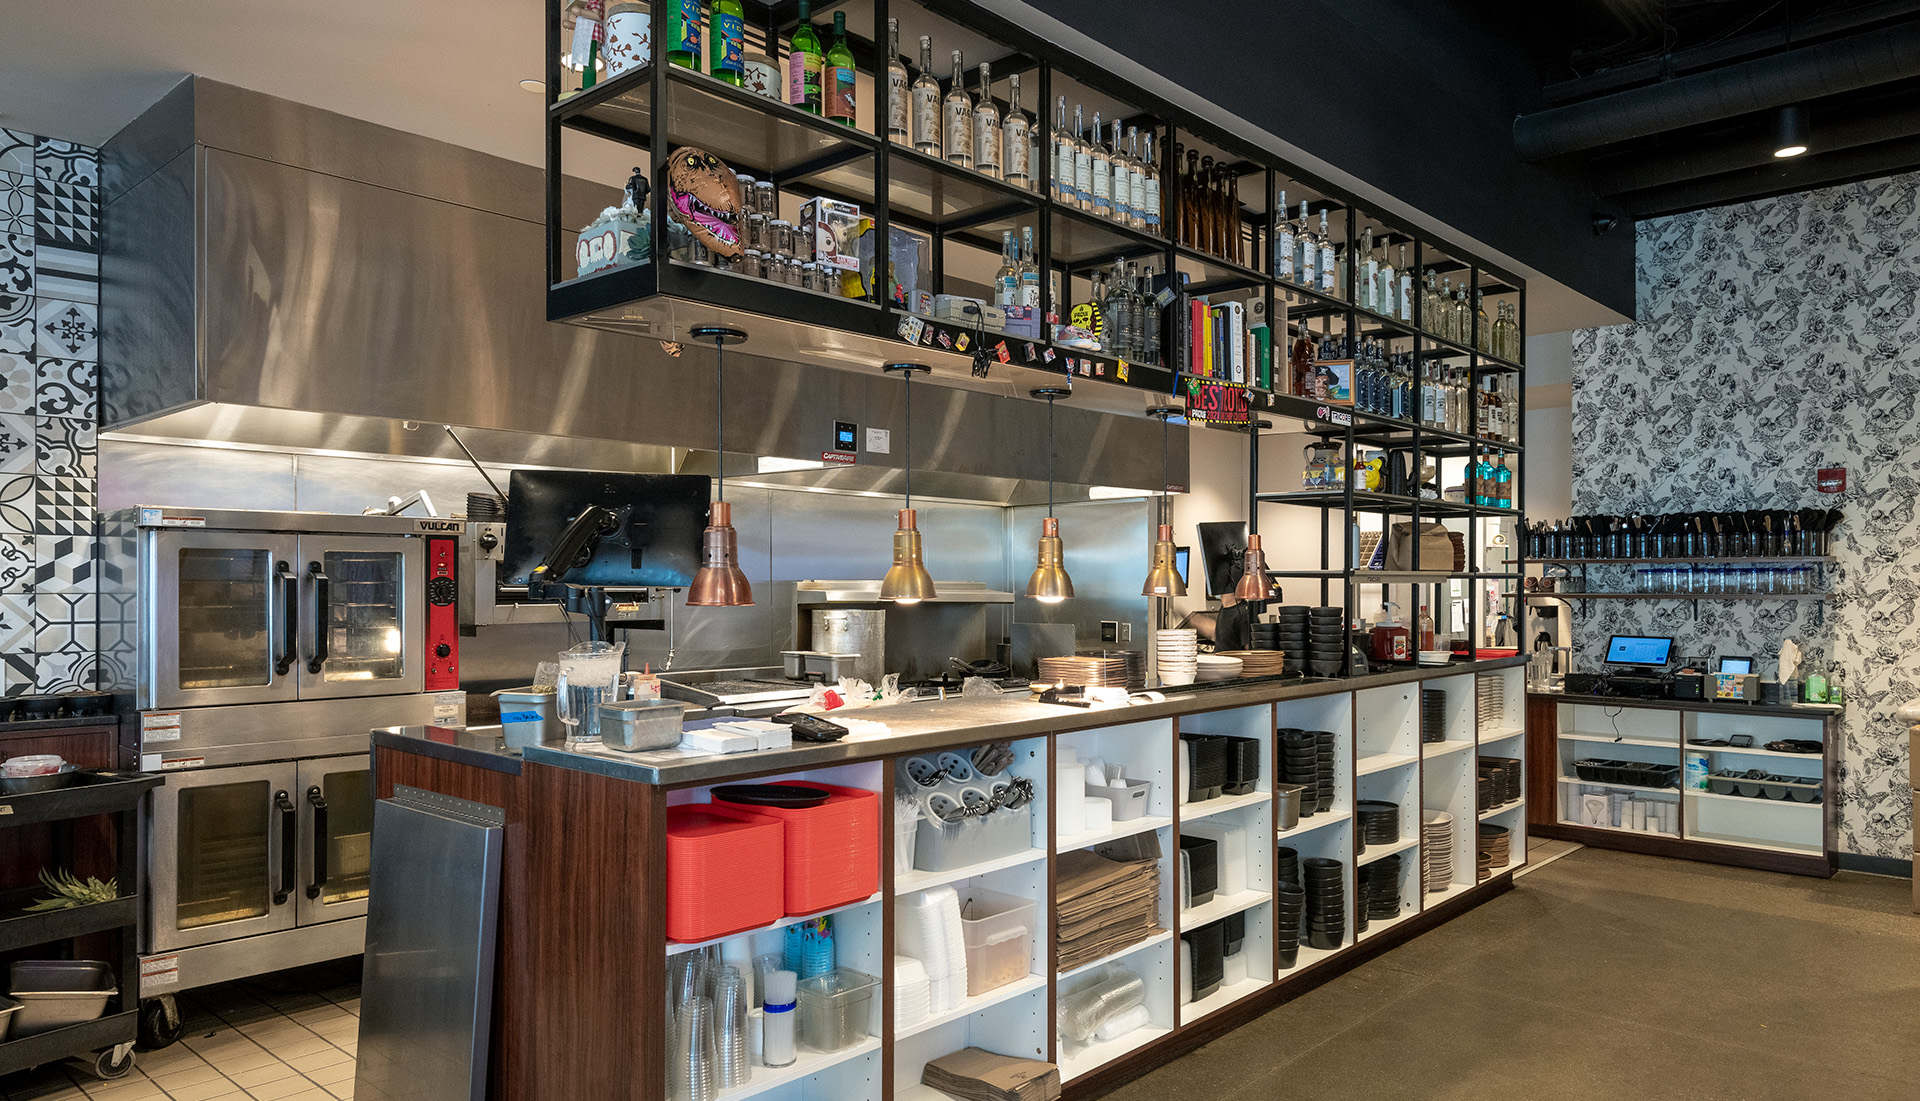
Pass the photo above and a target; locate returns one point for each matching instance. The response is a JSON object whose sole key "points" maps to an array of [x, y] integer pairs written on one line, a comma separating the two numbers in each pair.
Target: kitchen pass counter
{"points": [[913, 727]]}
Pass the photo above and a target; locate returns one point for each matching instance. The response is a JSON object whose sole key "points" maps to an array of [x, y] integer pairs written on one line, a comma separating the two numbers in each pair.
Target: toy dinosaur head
{"points": [[705, 197]]}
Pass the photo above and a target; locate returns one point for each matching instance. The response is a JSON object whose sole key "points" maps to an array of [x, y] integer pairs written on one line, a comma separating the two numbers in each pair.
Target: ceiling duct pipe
{"points": [[1829, 68], [1676, 161]]}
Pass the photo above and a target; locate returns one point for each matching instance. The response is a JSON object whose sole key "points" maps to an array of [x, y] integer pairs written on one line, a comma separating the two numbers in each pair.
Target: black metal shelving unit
{"points": [[112, 1035], [955, 207]]}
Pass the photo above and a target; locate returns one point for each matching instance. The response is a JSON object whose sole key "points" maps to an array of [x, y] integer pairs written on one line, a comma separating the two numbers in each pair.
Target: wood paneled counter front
{"points": [[581, 977]]}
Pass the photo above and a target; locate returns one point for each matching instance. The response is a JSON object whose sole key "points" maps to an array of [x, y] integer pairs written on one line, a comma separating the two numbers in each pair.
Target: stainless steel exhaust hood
{"points": [[280, 277]]}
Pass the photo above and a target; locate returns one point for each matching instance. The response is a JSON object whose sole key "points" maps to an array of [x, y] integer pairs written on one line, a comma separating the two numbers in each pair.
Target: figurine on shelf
{"points": [[703, 195], [622, 234]]}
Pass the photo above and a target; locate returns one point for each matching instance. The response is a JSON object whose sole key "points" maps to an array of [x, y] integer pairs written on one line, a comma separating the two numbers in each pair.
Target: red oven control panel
{"points": [[443, 616]]}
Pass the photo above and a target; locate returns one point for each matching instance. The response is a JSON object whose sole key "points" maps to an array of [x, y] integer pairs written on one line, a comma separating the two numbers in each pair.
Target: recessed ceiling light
{"points": [[1790, 131], [533, 85]]}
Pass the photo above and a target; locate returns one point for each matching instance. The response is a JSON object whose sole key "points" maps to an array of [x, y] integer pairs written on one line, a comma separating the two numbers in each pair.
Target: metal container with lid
{"points": [[57, 993], [529, 716], [861, 631]]}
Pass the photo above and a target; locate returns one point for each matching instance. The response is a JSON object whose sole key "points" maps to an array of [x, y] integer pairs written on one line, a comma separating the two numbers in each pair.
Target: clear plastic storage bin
{"points": [[999, 936], [836, 1009], [1129, 798], [942, 846]]}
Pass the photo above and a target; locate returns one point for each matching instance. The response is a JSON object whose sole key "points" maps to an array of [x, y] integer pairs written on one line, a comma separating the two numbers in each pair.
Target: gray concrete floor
{"points": [[1610, 976]]}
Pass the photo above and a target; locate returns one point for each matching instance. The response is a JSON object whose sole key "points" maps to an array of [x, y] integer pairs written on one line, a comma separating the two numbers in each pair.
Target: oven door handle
{"points": [[289, 841], [319, 804], [321, 606], [289, 619]]}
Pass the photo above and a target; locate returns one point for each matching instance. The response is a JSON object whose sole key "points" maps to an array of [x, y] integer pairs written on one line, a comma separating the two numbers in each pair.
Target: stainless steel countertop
{"points": [[914, 728]]}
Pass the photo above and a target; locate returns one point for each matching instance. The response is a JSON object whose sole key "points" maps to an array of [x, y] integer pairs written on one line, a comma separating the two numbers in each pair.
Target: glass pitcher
{"points": [[589, 677]]}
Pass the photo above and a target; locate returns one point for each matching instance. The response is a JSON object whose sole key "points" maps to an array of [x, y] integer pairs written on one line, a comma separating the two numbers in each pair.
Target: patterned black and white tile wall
{"points": [[1774, 338], [49, 398]]}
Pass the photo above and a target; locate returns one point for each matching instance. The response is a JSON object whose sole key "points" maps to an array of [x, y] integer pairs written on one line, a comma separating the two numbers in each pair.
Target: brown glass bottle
{"points": [[1209, 197], [1230, 205], [1190, 197]]}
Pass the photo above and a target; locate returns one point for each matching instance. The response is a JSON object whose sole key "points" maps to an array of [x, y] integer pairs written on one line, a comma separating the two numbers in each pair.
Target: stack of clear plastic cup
{"points": [[731, 1067], [690, 1071]]}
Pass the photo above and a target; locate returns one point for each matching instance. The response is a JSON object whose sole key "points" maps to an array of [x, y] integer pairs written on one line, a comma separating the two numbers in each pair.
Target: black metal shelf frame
{"points": [[659, 106]]}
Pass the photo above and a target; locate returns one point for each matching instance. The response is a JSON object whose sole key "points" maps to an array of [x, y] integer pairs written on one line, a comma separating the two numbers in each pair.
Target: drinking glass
{"points": [[589, 677]]}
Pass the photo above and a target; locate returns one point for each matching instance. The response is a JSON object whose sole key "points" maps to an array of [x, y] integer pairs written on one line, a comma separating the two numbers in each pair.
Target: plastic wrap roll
{"points": [[1084, 1011]]}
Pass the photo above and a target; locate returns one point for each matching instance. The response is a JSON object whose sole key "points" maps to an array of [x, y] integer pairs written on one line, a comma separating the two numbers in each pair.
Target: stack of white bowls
{"points": [[928, 929], [912, 992], [1176, 652], [1217, 667]]}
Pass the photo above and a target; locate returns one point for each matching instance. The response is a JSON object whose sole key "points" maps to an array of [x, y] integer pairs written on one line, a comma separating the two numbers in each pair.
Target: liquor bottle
{"points": [[1502, 483], [1430, 303], [957, 118], [1115, 307], [1327, 270], [1369, 273], [1149, 314], [803, 63], [1123, 176], [1462, 315], [763, 75], [926, 103], [1016, 141], [1205, 208], [1230, 206], [1494, 419], [1389, 285], [1065, 183], [1444, 307], [1283, 243], [1006, 282], [1408, 396], [1150, 189], [1190, 199], [1029, 271], [1480, 482], [1082, 163], [986, 127], [1306, 258], [1136, 181], [683, 33], [1136, 310], [838, 77], [1100, 171], [899, 103], [726, 39], [1482, 329], [1457, 404], [1425, 626], [1405, 294]]}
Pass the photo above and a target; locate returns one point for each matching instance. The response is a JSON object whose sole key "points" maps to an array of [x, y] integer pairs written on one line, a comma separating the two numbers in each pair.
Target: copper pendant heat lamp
{"points": [[1253, 582], [1163, 573], [1050, 583], [907, 580], [720, 583]]}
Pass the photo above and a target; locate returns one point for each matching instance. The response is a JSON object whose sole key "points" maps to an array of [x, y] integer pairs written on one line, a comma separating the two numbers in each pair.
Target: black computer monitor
{"points": [[1639, 651], [1182, 559], [656, 540], [1223, 547]]}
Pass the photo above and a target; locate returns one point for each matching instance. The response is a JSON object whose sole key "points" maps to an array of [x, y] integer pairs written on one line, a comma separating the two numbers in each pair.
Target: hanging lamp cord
{"points": [[1165, 433], [719, 412], [1049, 456], [909, 438]]}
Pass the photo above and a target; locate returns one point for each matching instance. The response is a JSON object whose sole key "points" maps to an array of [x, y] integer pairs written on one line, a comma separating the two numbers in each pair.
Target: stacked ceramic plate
{"points": [[1382, 878], [1257, 663], [1496, 850], [1216, 667], [1093, 672], [1379, 822], [1491, 699], [1288, 635], [1326, 641], [1174, 651], [1436, 849], [1133, 665], [1433, 714]]}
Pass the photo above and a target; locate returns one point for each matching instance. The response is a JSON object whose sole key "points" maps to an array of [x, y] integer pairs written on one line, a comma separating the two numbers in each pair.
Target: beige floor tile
{"points": [[185, 1076], [285, 1087], [201, 1091], [247, 1058], [333, 1075], [296, 1048], [261, 1075], [134, 1087], [344, 1090], [318, 1060]]}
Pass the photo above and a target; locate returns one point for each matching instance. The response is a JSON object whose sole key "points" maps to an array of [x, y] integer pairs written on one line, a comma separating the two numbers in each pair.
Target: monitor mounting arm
{"points": [[575, 548]]}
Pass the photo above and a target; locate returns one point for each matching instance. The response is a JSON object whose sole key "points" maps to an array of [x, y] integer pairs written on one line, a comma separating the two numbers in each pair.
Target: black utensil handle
{"points": [[289, 619], [288, 839], [321, 606], [320, 837]]}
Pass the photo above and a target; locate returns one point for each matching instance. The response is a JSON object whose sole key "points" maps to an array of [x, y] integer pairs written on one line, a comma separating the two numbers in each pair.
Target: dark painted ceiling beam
{"points": [[1779, 178], [1827, 69]]}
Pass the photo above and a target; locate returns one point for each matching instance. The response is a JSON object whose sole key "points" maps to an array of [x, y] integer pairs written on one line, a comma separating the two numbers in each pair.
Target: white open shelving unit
{"points": [[1377, 756]]}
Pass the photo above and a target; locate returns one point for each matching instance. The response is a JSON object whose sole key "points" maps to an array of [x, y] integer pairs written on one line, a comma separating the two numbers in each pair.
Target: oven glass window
{"points": [[363, 616], [223, 869], [224, 637], [350, 835]]}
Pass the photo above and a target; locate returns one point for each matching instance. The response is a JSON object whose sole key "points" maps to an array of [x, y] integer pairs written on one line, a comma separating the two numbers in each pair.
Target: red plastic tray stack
{"points": [[725, 871], [832, 850]]}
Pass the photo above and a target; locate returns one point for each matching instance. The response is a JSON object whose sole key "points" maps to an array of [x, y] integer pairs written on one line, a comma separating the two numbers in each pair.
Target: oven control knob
{"points": [[442, 650], [442, 591]]}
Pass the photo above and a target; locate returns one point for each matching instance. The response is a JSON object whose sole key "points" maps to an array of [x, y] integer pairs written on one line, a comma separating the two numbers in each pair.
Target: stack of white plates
{"points": [[912, 992], [1491, 699], [1436, 849], [1215, 667], [1094, 672], [1175, 651]]}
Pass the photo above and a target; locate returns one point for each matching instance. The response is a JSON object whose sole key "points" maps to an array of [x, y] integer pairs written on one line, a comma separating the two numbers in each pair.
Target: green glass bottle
{"points": [[683, 33], [726, 43], [837, 77], [803, 64]]}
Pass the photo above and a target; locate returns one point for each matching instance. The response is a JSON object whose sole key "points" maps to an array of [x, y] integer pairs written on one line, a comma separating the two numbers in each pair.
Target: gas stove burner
{"points": [[943, 682]]}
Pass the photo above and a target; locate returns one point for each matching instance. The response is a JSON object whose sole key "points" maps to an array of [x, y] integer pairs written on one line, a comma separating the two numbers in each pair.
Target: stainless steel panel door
{"points": [[363, 599], [220, 626], [221, 863], [336, 841]]}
